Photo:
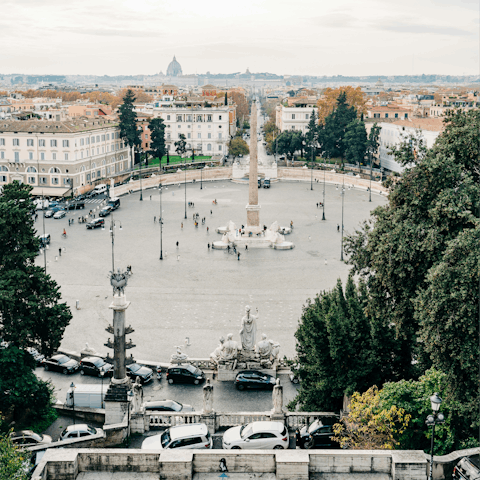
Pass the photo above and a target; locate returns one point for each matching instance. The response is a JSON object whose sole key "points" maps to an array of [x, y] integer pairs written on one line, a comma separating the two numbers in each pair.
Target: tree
{"points": [[181, 145], [30, 310], [368, 426], [356, 142], [334, 349], [240, 100], [271, 134], [238, 146], [336, 126], [407, 243], [373, 141], [26, 399], [128, 122], [328, 102], [140, 96], [312, 134], [288, 142], [157, 135], [12, 460]]}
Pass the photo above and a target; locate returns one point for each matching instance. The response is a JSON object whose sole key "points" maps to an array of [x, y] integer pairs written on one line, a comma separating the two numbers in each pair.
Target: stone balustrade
{"points": [[169, 420]]}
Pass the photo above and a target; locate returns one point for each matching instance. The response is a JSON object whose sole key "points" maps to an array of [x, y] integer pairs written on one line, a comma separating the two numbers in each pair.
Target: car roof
{"points": [[267, 426], [91, 359], [80, 426], [251, 372], [182, 431]]}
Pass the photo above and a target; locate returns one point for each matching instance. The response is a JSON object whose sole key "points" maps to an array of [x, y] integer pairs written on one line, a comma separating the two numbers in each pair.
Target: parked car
{"points": [[79, 198], [185, 374], [317, 435], [114, 203], [105, 211], [59, 214], [95, 223], [78, 205], [28, 438], [256, 435], [61, 363], [94, 366], [58, 208], [254, 379], [135, 370], [37, 356], [194, 435], [44, 239], [468, 468], [167, 406], [48, 213], [76, 431], [91, 194]]}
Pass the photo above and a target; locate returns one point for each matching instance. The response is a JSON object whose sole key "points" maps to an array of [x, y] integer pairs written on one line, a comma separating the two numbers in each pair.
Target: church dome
{"points": [[174, 69]]}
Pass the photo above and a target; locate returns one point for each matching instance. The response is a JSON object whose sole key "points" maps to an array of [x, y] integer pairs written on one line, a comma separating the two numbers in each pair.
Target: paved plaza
{"points": [[197, 292]]}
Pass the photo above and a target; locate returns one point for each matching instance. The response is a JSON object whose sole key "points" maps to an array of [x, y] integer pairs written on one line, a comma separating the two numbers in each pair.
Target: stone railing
{"points": [[169, 420], [231, 419], [296, 420]]}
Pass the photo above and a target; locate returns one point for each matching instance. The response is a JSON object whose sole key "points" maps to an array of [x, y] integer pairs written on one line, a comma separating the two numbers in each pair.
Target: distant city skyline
{"points": [[126, 37]]}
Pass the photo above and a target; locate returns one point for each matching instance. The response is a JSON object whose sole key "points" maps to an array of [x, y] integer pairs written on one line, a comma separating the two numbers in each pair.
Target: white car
{"points": [[194, 435], [59, 214], [256, 435], [77, 431]]}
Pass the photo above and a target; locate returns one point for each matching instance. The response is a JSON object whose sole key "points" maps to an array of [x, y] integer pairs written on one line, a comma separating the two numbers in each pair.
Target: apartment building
{"points": [[55, 157], [293, 118]]}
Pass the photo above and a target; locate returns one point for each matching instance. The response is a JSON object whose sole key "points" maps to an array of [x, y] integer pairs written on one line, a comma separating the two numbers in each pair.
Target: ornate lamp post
{"points": [[432, 420], [311, 176], [185, 163], [141, 190], [72, 386], [102, 374], [161, 222], [370, 189], [324, 170], [343, 198], [201, 178]]}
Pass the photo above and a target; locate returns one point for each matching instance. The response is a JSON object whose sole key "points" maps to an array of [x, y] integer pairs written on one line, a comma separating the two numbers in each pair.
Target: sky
{"points": [[303, 37]]}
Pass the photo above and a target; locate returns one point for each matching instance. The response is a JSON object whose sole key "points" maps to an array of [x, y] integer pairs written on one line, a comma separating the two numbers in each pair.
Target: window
{"points": [[92, 139], [82, 142], [87, 140], [179, 118], [220, 135], [66, 156], [30, 155], [376, 115], [293, 116], [98, 138], [98, 151], [54, 156], [2, 142], [41, 143], [54, 170], [42, 155], [199, 135], [209, 147], [209, 118], [16, 142], [17, 156], [386, 115], [189, 118], [42, 180], [29, 142], [219, 117], [209, 135], [66, 143], [2, 155], [396, 115], [306, 116], [31, 179], [55, 181], [3, 178], [219, 148], [88, 177], [103, 138], [146, 137], [168, 117], [53, 143], [406, 115], [189, 135], [93, 174], [199, 118]]}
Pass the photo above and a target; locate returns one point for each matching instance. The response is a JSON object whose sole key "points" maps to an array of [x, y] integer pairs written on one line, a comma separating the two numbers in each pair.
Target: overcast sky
{"points": [[304, 37]]}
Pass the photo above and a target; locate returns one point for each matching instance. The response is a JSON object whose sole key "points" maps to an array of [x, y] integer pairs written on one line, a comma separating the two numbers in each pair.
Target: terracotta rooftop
{"points": [[432, 124], [389, 108], [42, 126]]}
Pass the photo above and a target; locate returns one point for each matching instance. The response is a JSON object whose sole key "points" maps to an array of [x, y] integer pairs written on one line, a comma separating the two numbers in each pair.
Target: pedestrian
{"points": [[238, 256], [150, 197], [211, 213], [207, 229], [246, 247], [209, 246], [325, 261], [36, 216], [182, 225], [59, 252], [129, 269], [338, 227], [155, 219], [177, 244]]}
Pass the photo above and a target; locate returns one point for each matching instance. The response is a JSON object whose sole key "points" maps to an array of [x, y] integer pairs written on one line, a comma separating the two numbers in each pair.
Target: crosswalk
{"points": [[94, 200]]}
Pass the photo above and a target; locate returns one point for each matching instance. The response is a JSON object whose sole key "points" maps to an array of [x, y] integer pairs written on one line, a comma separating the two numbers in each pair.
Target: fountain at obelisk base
{"points": [[253, 234]]}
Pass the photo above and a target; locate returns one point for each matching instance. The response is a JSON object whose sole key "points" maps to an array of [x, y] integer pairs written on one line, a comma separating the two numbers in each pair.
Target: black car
{"points": [[94, 366], [61, 363], [468, 468], [254, 379], [318, 434], [167, 406], [185, 374], [114, 203], [105, 211], [76, 205], [134, 371], [79, 198], [95, 223]]}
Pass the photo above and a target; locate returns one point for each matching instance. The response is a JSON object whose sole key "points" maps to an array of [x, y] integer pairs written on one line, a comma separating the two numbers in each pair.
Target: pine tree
{"points": [[128, 122], [356, 142], [312, 135], [181, 145], [157, 135]]}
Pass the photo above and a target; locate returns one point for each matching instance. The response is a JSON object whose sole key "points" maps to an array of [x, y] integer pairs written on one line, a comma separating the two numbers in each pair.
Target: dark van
{"points": [[114, 203]]}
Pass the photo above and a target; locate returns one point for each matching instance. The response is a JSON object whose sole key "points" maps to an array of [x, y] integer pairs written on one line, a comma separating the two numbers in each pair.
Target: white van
{"points": [[102, 188], [85, 395]]}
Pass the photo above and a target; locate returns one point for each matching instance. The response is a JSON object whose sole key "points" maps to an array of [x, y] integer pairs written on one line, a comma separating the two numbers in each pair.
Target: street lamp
{"points": [[201, 178], [161, 221], [185, 163], [72, 386], [141, 190], [311, 177], [324, 170], [102, 374], [343, 197], [370, 189], [432, 420]]}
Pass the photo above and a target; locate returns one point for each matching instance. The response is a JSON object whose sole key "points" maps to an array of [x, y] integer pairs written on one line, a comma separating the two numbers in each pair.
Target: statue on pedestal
{"points": [[207, 398], [118, 280], [277, 397], [268, 351], [228, 356], [137, 396], [178, 357], [216, 355], [248, 333]]}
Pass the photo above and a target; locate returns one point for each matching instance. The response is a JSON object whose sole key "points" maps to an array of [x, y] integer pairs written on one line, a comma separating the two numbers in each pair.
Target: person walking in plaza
{"points": [[177, 244], [209, 246], [181, 226], [338, 227], [59, 252], [207, 229], [238, 256], [155, 219]]}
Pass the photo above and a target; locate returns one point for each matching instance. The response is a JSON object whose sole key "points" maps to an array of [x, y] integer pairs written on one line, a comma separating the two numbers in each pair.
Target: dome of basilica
{"points": [[174, 69]]}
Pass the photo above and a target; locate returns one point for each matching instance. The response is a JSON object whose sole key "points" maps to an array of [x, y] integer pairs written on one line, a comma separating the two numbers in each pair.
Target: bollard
{"points": [[56, 258], [77, 304], [64, 249]]}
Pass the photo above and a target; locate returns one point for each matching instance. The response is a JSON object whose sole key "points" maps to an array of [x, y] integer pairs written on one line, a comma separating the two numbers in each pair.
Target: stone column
{"points": [[119, 305], [253, 208]]}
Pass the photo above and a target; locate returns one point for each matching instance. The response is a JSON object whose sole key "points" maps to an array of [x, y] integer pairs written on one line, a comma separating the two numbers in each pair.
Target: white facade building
{"points": [[293, 118], [396, 132], [55, 156]]}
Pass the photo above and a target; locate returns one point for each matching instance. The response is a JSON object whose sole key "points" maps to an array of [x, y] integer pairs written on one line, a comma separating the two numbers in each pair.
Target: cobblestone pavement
{"points": [[196, 292]]}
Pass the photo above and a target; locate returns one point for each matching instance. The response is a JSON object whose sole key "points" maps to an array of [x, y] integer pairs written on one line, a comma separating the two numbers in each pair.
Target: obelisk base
{"points": [[253, 219]]}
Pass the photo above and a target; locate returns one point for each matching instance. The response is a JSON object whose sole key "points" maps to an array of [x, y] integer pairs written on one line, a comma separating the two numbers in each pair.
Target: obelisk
{"points": [[253, 208]]}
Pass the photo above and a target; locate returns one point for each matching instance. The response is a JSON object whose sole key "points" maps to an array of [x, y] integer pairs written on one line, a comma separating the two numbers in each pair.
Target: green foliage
{"points": [[312, 135], [373, 141], [238, 146], [26, 399], [288, 142], [335, 127], [356, 142], [181, 145], [13, 460], [128, 121], [157, 135], [30, 310], [371, 425], [334, 349]]}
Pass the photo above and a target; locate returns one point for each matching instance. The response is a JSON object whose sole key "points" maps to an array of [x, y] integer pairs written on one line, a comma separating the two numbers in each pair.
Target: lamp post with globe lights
{"points": [[435, 418]]}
